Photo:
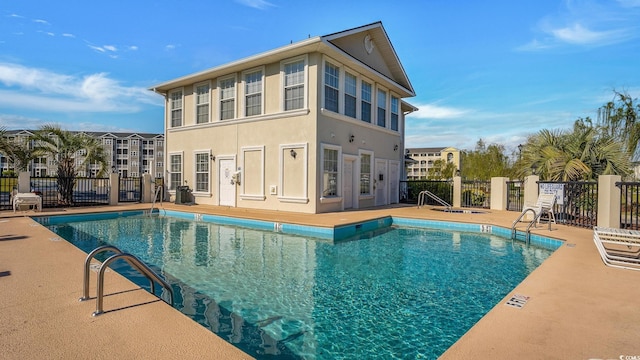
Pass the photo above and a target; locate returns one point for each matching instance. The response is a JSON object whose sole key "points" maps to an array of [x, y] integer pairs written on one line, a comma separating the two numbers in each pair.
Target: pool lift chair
{"points": [[543, 206]]}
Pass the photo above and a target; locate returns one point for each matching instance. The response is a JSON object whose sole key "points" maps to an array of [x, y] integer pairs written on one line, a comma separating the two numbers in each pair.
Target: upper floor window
{"points": [[382, 108], [202, 103], [350, 95], [394, 113], [294, 85], [253, 93], [331, 86], [227, 98], [175, 106], [365, 112]]}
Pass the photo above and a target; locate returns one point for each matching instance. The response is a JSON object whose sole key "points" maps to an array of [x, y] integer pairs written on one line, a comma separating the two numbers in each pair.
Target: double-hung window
{"points": [[202, 172], [350, 95], [175, 105], [365, 173], [331, 86], [330, 172], [227, 98], [253, 93], [394, 113], [175, 163], [294, 85], [382, 108], [365, 112], [202, 103]]}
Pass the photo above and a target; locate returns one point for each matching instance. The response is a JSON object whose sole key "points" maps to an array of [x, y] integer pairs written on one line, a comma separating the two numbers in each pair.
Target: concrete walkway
{"points": [[578, 308]]}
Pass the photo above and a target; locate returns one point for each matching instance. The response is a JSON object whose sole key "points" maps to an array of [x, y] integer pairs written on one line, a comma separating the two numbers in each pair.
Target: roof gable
{"points": [[370, 45]]}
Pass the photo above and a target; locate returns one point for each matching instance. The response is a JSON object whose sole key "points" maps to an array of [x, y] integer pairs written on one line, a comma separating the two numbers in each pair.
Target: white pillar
{"points": [[457, 192], [609, 201], [24, 182], [530, 193], [114, 184], [499, 193]]}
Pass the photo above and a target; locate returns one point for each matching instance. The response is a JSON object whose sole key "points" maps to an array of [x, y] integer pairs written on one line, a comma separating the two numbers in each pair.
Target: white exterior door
{"points": [[347, 183], [380, 181], [394, 181], [226, 185]]}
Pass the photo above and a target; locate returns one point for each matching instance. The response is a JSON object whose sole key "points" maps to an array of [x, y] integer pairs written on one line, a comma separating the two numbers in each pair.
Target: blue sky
{"points": [[497, 69]]}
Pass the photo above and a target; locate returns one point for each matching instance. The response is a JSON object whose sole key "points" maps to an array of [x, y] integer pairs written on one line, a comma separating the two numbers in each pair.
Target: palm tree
{"points": [[621, 119], [17, 151], [580, 154], [64, 146]]}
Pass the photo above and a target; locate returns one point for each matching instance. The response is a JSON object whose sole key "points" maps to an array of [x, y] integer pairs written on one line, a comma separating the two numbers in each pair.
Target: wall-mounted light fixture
{"points": [[113, 169], [293, 153], [351, 137], [212, 157], [395, 147]]}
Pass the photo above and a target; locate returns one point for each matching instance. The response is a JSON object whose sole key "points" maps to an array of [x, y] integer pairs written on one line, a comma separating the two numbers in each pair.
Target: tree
{"points": [[441, 169], [485, 162], [582, 153], [64, 147], [619, 118], [18, 152]]}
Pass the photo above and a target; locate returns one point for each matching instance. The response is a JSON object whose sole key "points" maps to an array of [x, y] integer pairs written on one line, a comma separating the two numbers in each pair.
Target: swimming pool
{"points": [[397, 292]]}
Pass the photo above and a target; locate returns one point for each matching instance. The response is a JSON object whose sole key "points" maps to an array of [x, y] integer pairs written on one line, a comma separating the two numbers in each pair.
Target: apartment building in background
{"points": [[424, 159], [128, 154]]}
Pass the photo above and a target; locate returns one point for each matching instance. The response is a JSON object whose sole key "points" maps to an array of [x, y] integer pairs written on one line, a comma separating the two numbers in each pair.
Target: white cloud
{"points": [[430, 111], [40, 21], [133, 48], [257, 4], [38, 89], [68, 35], [578, 34], [110, 48]]}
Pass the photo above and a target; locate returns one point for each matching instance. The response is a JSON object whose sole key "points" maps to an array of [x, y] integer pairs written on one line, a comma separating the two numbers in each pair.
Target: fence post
{"points": [[457, 192], [147, 188], [24, 182], [530, 193], [499, 193], [114, 185], [609, 201]]}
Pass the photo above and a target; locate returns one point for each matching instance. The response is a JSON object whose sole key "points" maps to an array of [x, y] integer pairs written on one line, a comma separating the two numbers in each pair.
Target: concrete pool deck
{"points": [[577, 309]]}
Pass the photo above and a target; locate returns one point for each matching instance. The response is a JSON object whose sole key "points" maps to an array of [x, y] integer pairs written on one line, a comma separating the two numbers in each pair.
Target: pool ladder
{"points": [[422, 198], [133, 261], [533, 222], [155, 196]]}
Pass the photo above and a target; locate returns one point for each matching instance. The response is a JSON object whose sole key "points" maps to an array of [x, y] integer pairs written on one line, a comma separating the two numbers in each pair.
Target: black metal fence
{"points": [[515, 195], [130, 189], [577, 201], [7, 185], [409, 191], [476, 194], [86, 191], [629, 205]]}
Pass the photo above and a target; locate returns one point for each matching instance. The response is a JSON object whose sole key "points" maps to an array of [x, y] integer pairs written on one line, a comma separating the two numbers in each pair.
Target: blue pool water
{"points": [[397, 293]]}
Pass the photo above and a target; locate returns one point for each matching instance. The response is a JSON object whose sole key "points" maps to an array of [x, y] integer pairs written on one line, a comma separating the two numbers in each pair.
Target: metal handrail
{"points": [[129, 258], [155, 196], [421, 199]]}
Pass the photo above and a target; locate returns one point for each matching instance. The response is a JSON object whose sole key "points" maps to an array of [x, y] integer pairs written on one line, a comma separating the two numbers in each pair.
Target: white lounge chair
{"points": [[618, 247], [544, 205]]}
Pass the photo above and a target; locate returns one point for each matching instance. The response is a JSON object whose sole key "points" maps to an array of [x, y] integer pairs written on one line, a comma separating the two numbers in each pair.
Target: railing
{"points": [[425, 194], [476, 194], [130, 189], [85, 191], [410, 190], [515, 195], [629, 205], [577, 202], [132, 260], [7, 185]]}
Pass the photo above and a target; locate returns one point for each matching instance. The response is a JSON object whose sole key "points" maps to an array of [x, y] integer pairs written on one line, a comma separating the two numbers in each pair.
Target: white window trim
{"points": [[338, 196], [243, 91], [169, 172], [371, 193], [195, 172], [219, 97], [360, 99], [260, 196], [305, 59], [344, 91], [387, 107], [195, 101], [170, 109], [399, 111], [284, 150], [325, 60]]}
